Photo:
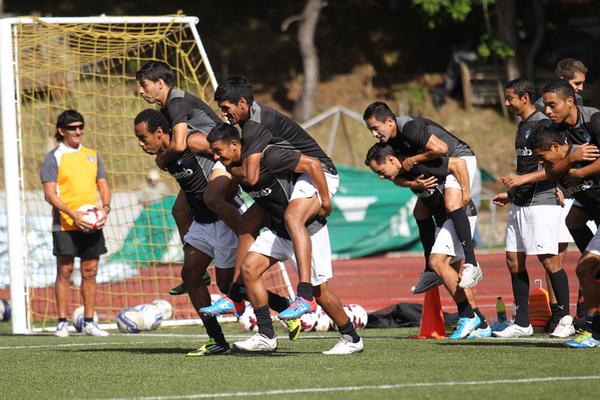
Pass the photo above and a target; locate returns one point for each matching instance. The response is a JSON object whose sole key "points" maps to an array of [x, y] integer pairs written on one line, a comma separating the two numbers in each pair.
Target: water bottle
{"points": [[500, 310]]}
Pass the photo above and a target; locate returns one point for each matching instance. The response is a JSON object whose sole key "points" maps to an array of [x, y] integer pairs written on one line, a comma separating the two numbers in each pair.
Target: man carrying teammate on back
{"points": [[419, 140], [535, 219], [446, 252], [279, 165]]}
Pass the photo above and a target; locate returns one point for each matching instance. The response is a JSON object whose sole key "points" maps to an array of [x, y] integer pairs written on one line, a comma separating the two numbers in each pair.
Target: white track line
{"points": [[363, 388]]}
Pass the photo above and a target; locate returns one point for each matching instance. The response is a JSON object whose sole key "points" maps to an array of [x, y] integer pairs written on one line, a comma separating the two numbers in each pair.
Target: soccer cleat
{"points": [[470, 276], [584, 341], [298, 307], [223, 306], [514, 331], [465, 327], [564, 328], [428, 280], [345, 346], [91, 329], [480, 333], [178, 290], [294, 327], [499, 326], [62, 329], [210, 348], [258, 343]]}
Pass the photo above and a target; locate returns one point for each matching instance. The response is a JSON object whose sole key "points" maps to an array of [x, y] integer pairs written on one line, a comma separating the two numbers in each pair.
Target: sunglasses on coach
{"points": [[73, 127]]}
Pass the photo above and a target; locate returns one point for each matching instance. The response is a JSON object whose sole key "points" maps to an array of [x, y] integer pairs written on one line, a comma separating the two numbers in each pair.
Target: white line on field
{"points": [[363, 388]]}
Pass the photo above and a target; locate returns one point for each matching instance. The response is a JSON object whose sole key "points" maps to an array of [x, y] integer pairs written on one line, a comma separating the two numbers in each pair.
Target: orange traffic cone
{"points": [[432, 318]]}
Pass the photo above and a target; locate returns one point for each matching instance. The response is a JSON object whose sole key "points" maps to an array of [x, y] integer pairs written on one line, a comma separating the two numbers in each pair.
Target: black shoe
{"points": [[579, 323], [178, 290], [427, 281], [552, 323]]}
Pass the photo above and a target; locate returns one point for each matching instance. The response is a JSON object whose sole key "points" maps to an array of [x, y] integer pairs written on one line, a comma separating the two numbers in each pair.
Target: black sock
{"points": [[580, 311], [596, 326], [560, 284], [427, 236], [556, 312], [483, 323], [305, 290], [582, 237], [465, 310], [463, 232], [264, 322], [520, 287], [277, 303], [589, 320], [62, 320], [237, 292], [348, 329], [87, 320], [213, 329]]}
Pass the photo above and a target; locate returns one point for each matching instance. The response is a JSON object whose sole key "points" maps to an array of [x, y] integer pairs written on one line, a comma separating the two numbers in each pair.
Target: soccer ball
{"points": [[248, 320], [308, 320], [4, 310], [324, 322], [357, 314], [92, 214], [152, 316], [130, 320], [166, 309], [77, 318]]}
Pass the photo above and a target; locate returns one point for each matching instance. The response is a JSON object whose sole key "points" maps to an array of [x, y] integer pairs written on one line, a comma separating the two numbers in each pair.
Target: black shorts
{"points": [[79, 244]]}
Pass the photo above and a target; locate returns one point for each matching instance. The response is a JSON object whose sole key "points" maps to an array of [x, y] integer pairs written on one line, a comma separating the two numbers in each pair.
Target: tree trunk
{"points": [[310, 59], [538, 38], [507, 31]]}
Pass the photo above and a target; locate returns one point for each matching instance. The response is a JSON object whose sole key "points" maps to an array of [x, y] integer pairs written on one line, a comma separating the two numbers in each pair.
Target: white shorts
{"points": [[215, 240], [446, 240], [564, 236], [594, 244], [451, 181], [534, 230], [304, 188], [271, 245]]}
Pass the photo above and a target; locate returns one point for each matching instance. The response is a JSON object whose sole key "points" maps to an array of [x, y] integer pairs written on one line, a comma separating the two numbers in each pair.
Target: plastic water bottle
{"points": [[500, 310]]}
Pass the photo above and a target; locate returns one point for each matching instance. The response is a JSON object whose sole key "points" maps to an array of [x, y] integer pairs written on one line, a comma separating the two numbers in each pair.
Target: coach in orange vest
{"points": [[72, 176]]}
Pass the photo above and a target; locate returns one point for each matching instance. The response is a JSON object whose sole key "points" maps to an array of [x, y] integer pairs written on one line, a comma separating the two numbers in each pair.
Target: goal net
{"points": [[52, 64]]}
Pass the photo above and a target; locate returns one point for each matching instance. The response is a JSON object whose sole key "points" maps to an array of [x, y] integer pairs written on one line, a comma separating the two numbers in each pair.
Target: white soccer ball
{"points": [[248, 320], [130, 320], [308, 320], [77, 318], [152, 316], [357, 314], [166, 309], [92, 214], [4, 310], [324, 322]]}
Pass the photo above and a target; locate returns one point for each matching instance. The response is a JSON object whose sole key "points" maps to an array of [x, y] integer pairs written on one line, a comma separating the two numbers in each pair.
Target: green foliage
{"points": [[494, 48], [437, 9], [418, 96]]}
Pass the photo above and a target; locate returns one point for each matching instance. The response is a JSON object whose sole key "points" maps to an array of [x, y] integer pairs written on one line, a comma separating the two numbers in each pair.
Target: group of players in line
{"points": [[291, 180]]}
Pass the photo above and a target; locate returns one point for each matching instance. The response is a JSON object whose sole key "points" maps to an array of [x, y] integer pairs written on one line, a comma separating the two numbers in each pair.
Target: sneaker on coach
{"points": [[470, 276], [514, 331], [258, 343], [62, 329], [345, 346], [91, 329], [428, 280], [564, 328], [465, 326]]}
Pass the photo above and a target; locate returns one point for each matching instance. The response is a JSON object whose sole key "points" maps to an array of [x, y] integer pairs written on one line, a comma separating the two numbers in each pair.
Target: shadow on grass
{"points": [[497, 343], [179, 350]]}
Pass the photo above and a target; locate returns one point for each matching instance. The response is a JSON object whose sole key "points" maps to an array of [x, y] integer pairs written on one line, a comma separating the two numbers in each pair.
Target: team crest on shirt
{"points": [[527, 133], [91, 158], [587, 137]]}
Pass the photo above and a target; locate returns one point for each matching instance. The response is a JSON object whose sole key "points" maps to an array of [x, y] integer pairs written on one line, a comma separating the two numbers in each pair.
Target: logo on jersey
{"points": [[260, 193], [91, 158], [527, 133], [524, 152], [185, 173], [585, 185]]}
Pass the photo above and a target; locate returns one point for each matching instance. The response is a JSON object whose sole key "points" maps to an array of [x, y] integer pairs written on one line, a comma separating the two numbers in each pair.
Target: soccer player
{"points": [[72, 176], [185, 113], [552, 147], [419, 140], [208, 238], [273, 191], [535, 219], [446, 252], [236, 100], [572, 71]]}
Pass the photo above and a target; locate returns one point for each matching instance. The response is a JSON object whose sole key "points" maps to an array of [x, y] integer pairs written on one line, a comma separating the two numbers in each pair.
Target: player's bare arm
{"points": [[176, 146], [514, 180], [197, 143], [249, 172], [105, 196], [435, 148]]}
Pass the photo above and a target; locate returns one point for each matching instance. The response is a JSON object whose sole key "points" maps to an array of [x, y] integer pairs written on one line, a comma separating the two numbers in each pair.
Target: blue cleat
{"points": [[465, 326], [224, 306], [583, 341], [500, 326], [297, 308], [480, 333]]}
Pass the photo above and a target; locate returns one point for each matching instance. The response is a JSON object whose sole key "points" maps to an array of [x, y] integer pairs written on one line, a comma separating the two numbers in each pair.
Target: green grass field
{"points": [[391, 367]]}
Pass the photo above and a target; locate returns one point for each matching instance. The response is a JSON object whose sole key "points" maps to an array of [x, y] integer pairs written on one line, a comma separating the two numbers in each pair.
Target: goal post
{"points": [[89, 64]]}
